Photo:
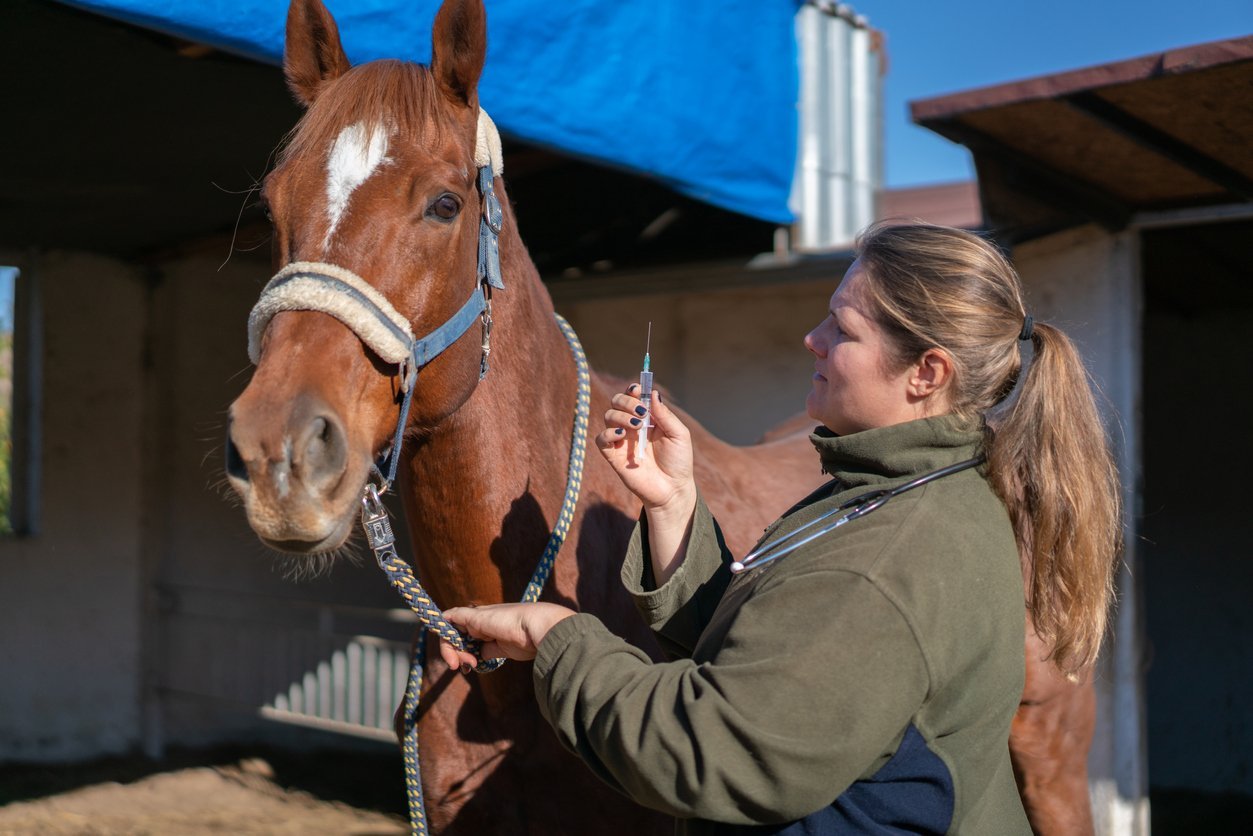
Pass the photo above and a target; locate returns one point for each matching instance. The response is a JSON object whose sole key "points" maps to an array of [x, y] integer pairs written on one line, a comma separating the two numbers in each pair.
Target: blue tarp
{"points": [[700, 94]]}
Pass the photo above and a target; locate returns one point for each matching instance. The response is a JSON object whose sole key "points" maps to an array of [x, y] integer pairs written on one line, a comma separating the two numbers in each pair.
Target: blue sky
{"points": [[940, 48]]}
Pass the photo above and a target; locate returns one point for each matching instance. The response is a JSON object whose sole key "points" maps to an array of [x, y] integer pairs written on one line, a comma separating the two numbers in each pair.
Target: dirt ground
{"points": [[249, 793]]}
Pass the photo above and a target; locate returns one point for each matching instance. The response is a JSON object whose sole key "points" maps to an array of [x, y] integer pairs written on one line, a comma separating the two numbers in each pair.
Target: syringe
{"points": [[646, 394]]}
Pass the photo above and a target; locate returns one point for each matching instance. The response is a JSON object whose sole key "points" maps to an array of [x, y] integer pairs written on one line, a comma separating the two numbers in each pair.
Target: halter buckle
{"points": [[492, 212], [407, 371]]}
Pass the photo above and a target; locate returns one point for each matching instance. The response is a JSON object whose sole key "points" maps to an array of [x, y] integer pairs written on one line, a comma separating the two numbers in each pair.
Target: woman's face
{"points": [[853, 386]]}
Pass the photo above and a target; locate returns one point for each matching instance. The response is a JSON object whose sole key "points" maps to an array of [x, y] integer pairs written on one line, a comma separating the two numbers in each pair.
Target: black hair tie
{"points": [[1026, 354], [1028, 328]]}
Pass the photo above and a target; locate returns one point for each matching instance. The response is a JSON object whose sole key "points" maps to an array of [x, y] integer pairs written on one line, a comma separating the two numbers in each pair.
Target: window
{"points": [[8, 279], [19, 374]]}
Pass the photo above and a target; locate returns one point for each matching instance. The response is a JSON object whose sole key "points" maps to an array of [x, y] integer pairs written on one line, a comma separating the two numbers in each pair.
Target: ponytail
{"points": [[1048, 459], [1049, 462]]}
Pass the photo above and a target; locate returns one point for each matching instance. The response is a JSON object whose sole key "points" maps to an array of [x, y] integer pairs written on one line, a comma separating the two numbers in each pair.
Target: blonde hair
{"points": [[1047, 455]]}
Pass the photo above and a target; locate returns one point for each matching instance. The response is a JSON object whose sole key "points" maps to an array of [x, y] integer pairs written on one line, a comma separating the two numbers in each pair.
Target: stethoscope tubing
{"points": [[861, 506]]}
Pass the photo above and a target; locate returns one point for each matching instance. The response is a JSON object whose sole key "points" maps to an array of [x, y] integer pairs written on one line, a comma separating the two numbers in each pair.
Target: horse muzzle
{"points": [[293, 470]]}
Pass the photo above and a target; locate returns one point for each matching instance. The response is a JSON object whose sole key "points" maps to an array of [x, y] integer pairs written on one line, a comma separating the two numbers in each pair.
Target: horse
{"points": [[379, 178]]}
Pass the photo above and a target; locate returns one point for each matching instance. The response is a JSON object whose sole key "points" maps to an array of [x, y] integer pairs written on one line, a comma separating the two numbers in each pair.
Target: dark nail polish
{"points": [[465, 667], [635, 422], [641, 411], [633, 387], [619, 431]]}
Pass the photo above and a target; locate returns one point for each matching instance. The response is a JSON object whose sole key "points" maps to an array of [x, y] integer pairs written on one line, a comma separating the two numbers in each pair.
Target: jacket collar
{"points": [[888, 454]]}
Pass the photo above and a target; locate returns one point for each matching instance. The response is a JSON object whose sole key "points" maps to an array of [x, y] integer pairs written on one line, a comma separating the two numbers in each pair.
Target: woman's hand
{"points": [[662, 475], [510, 630]]}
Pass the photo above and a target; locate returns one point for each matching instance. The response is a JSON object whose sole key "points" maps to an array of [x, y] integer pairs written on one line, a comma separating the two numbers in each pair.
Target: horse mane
{"points": [[399, 94]]}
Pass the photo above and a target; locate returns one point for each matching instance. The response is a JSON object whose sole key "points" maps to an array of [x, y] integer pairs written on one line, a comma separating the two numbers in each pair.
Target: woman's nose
{"points": [[812, 343]]}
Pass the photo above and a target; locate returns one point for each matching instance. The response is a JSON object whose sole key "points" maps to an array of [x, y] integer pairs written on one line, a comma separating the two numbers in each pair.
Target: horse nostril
{"points": [[324, 453], [235, 467]]}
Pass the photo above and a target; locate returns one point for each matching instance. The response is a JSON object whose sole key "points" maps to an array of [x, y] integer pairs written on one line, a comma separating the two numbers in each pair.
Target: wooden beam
{"points": [[1064, 192], [1154, 139]]}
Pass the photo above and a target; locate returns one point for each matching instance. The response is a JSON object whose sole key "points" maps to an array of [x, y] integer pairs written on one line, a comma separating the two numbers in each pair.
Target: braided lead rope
{"points": [[400, 574], [574, 478]]}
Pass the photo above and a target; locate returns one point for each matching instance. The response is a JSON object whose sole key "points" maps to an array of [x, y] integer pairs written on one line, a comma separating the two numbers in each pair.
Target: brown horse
{"points": [[380, 179]]}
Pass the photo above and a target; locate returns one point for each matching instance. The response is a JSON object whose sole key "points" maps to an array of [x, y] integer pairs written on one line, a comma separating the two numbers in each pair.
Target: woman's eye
{"points": [[445, 207]]}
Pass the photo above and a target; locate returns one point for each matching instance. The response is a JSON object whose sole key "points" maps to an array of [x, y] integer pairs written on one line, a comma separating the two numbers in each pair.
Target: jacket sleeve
{"points": [[679, 610], [814, 683]]}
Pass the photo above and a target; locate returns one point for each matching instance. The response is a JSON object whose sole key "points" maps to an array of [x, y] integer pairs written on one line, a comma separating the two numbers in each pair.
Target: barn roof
{"points": [[1164, 132]]}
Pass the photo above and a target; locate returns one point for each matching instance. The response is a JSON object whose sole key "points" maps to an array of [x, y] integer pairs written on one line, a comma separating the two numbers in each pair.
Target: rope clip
{"points": [[487, 330], [378, 529]]}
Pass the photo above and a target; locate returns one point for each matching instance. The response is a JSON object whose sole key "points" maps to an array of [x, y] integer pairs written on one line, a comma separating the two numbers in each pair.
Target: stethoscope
{"points": [[861, 506]]}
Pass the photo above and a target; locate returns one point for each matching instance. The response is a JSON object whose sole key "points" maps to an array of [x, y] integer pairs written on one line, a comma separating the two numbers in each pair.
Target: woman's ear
{"points": [[931, 375]]}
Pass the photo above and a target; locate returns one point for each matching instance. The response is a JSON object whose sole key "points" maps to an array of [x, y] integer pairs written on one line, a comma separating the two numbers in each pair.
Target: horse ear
{"points": [[458, 48], [313, 55]]}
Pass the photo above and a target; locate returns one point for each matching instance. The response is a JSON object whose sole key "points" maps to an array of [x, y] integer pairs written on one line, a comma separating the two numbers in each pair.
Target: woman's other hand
{"points": [[510, 630]]}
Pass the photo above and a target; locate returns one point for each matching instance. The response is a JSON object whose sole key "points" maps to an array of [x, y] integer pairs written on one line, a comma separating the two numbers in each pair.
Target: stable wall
{"points": [[1087, 282], [732, 358], [70, 594]]}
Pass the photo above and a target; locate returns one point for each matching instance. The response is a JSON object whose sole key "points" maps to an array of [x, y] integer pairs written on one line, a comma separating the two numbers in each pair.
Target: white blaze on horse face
{"points": [[356, 153]]}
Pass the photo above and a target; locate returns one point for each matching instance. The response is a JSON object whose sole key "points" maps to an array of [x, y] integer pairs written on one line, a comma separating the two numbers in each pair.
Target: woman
{"points": [[862, 680]]}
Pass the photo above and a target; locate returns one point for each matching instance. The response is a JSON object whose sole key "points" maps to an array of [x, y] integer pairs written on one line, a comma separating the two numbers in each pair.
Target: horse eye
{"points": [[445, 207]]}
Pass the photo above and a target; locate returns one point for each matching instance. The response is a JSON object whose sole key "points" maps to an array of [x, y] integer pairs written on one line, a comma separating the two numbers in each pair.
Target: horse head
{"points": [[378, 181]]}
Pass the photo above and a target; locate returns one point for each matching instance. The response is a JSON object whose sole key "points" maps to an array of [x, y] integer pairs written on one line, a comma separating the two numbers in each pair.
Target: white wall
{"points": [[1087, 282], [70, 595], [732, 358]]}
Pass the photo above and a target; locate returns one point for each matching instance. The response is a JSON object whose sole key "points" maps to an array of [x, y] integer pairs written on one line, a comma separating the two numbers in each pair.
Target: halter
{"points": [[337, 291]]}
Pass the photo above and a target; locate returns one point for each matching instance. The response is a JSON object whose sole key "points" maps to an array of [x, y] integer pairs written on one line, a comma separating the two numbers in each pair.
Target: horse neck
{"points": [[486, 485]]}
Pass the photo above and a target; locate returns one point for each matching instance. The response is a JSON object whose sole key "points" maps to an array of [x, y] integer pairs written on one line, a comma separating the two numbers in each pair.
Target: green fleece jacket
{"points": [[870, 674]]}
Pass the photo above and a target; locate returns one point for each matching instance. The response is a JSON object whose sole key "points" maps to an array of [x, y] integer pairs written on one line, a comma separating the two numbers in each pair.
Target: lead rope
{"points": [[378, 532]]}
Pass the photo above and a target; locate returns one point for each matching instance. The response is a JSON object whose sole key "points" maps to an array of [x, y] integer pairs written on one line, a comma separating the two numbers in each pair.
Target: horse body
{"points": [[379, 178]]}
